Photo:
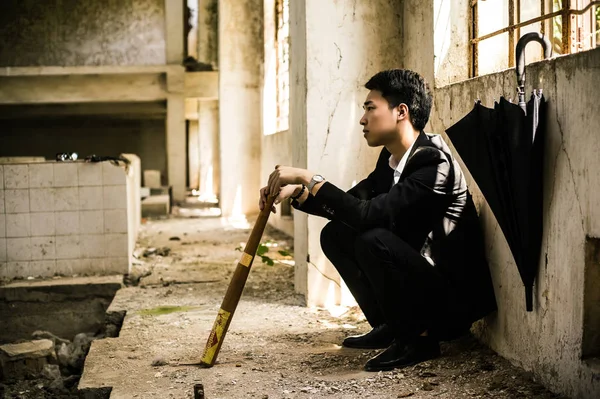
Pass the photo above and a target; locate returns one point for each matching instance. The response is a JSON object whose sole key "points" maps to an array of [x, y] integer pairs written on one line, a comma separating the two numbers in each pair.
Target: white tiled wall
{"points": [[64, 218]]}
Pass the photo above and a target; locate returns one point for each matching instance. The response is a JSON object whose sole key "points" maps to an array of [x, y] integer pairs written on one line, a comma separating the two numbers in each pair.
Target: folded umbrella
{"points": [[503, 149]]}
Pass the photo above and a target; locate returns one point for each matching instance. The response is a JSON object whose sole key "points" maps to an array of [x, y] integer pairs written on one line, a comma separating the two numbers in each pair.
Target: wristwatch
{"points": [[315, 180]]}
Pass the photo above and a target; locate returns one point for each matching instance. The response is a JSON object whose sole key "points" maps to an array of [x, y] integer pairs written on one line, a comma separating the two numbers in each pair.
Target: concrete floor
{"points": [[275, 347]]}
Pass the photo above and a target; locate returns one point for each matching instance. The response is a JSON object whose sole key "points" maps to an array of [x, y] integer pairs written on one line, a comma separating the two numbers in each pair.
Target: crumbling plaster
{"points": [[74, 33]]}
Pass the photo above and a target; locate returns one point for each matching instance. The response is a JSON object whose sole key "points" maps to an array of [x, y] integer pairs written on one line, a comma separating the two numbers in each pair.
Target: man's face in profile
{"points": [[379, 120]]}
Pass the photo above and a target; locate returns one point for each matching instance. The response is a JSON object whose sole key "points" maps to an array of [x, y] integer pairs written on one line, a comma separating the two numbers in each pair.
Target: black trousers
{"points": [[391, 282]]}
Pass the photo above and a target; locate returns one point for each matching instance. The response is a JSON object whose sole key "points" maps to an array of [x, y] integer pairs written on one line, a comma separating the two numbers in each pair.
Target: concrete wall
{"points": [[101, 136], [240, 63], [547, 341], [65, 218], [73, 32], [336, 48]]}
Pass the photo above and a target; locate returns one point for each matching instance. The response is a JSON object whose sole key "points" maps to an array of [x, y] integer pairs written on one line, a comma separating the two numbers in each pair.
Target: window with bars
{"points": [[497, 25], [282, 43]]}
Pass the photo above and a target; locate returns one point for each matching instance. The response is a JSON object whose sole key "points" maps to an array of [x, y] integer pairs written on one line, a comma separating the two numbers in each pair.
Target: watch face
{"points": [[318, 178]]}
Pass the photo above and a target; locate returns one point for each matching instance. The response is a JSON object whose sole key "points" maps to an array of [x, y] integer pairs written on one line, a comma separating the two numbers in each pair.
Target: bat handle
{"points": [[236, 286]]}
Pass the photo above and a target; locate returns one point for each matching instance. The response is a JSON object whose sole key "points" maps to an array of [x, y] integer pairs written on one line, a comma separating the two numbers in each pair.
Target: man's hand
{"points": [[285, 193], [284, 175], [262, 201]]}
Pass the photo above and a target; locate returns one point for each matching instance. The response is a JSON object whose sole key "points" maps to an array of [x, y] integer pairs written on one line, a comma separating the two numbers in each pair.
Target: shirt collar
{"points": [[398, 166]]}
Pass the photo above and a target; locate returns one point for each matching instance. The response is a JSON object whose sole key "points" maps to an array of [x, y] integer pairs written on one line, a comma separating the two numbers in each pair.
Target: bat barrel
{"points": [[235, 289]]}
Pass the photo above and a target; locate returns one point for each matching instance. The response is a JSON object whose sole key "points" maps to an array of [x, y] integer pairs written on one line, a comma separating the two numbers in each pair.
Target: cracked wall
{"points": [[76, 33], [547, 341], [240, 67], [336, 48]]}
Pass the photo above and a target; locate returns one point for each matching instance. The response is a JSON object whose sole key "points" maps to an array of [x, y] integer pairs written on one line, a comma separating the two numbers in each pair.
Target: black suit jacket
{"points": [[430, 194]]}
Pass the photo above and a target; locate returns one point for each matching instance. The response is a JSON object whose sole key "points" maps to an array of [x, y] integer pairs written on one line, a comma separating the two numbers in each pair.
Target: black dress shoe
{"points": [[379, 337], [398, 355]]}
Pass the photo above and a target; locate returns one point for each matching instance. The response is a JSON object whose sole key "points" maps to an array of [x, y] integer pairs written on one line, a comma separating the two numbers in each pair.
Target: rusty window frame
{"points": [[571, 32]]}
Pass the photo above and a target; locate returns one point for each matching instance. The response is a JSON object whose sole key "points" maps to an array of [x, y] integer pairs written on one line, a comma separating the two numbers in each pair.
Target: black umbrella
{"points": [[503, 149]]}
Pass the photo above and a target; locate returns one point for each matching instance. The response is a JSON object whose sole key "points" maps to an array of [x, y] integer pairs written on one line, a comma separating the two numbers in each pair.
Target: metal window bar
{"points": [[569, 28]]}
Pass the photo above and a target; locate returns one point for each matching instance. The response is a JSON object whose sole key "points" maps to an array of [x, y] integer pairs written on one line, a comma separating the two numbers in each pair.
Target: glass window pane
{"points": [[492, 15], [493, 54], [530, 9]]}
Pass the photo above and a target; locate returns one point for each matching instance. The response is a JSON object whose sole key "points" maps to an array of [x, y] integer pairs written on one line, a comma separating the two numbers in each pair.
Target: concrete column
{"points": [[240, 62], [208, 111], [174, 31], [209, 167], [176, 143], [298, 130], [194, 153], [328, 71], [175, 123], [208, 32]]}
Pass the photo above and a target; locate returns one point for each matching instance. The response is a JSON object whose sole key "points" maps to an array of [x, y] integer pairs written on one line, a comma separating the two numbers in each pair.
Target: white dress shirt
{"points": [[398, 166]]}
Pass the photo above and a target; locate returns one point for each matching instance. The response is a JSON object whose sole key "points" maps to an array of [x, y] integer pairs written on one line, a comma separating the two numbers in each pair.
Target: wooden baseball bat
{"points": [[236, 286]]}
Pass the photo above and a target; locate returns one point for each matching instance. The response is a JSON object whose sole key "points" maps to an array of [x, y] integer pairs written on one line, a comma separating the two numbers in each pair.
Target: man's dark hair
{"points": [[403, 86]]}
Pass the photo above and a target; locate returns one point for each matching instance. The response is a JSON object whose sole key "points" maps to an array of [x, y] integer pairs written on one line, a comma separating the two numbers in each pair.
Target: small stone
{"points": [[427, 386], [158, 375], [158, 361], [405, 394], [174, 238], [51, 372]]}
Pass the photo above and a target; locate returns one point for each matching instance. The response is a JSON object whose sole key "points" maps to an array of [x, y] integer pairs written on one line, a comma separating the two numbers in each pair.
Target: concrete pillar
{"points": [[176, 143], [328, 71], [240, 65], [209, 167], [208, 32], [208, 111], [174, 16], [175, 123], [194, 154]]}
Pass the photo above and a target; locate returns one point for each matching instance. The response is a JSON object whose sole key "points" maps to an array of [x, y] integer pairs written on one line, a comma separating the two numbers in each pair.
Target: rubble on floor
{"points": [[275, 346]]}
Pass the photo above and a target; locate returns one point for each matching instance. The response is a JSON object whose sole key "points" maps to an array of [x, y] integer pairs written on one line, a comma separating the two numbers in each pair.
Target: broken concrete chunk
{"points": [[24, 360], [27, 350]]}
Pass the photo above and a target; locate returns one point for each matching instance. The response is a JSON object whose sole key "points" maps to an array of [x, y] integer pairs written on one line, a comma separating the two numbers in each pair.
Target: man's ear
{"points": [[402, 111]]}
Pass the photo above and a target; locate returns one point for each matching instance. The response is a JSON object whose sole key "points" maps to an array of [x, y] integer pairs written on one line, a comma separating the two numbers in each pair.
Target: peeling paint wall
{"points": [[336, 47], [547, 341], [75, 33]]}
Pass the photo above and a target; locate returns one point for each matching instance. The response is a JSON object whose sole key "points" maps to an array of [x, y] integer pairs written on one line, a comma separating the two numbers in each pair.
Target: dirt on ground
{"points": [[275, 347]]}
